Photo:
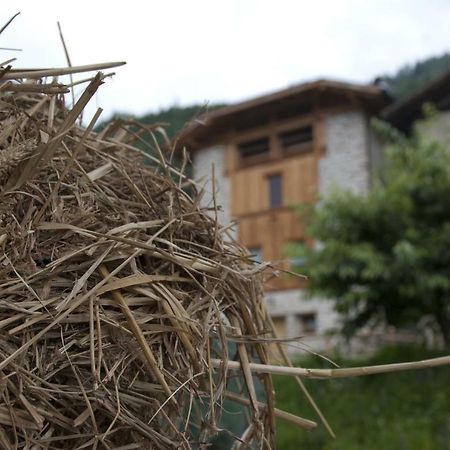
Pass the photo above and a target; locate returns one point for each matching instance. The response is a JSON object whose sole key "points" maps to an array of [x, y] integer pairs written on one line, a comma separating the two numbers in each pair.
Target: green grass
{"points": [[400, 411]]}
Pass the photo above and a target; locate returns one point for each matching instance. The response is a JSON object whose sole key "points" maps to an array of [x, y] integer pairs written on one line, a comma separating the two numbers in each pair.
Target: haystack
{"points": [[128, 314], [117, 289]]}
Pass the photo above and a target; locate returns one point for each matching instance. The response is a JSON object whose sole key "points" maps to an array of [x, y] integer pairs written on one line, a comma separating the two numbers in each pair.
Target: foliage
{"points": [[173, 119], [176, 118], [412, 76], [407, 411], [386, 257]]}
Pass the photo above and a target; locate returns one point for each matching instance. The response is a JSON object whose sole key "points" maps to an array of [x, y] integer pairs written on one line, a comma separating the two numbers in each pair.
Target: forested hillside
{"points": [[177, 117], [412, 76], [173, 119]]}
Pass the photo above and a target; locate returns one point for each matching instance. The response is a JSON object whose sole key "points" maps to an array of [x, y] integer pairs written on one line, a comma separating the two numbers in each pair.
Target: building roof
{"points": [[404, 112], [281, 104]]}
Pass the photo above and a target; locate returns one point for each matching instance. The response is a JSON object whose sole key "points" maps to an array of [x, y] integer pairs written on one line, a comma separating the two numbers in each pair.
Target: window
{"points": [[308, 323], [297, 140], [256, 254], [254, 151], [275, 190]]}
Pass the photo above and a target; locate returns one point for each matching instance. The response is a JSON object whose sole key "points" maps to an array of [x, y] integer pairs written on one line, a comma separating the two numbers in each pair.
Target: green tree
{"points": [[385, 257]]}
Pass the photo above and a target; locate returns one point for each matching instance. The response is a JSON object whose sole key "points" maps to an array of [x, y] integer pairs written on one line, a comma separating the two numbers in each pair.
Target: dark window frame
{"points": [[249, 155], [275, 189], [297, 140]]}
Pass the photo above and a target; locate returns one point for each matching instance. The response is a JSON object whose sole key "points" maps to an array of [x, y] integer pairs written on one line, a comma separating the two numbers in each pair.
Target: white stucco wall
{"points": [[293, 303], [346, 162], [203, 162]]}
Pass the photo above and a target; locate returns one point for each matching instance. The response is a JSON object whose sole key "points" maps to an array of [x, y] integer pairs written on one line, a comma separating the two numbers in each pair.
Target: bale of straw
{"points": [[116, 289]]}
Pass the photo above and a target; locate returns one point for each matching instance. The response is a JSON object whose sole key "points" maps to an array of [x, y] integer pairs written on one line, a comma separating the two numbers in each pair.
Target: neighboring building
{"points": [[405, 112], [277, 151]]}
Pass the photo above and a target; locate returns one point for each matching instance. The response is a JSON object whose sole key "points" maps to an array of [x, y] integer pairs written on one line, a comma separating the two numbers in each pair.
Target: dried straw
{"points": [[116, 289]]}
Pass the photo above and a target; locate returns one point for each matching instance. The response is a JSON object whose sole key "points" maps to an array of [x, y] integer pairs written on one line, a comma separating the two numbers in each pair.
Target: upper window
{"points": [[275, 190], [254, 151], [297, 140]]}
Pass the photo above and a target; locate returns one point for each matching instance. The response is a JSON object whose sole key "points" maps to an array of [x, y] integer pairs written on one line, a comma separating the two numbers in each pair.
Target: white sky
{"points": [[209, 51]]}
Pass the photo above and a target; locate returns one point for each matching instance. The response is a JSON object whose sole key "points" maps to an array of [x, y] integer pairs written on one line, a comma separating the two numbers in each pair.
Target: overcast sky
{"points": [[209, 51]]}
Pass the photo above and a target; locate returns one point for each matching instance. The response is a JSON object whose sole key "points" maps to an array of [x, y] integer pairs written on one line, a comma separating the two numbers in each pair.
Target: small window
{"points": [[256, 254], [254, 149], [297, 140], [275, 191], [308, 323]]}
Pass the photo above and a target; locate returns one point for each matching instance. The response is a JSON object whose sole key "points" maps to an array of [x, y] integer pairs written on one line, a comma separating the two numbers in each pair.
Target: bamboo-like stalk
{"points": [[298, 421], [336, 373], [45, 88], [41, 73]]}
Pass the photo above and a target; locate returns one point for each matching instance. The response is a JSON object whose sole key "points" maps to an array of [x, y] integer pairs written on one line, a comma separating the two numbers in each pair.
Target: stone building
{"points": [[273, 152]]}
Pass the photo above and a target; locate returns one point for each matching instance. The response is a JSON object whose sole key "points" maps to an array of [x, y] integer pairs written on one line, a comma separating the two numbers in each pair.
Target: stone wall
{"points": [[346, 162]]}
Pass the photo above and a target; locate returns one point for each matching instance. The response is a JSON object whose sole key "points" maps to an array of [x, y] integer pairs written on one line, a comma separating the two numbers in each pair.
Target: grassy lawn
{"points": [[400, 411]]}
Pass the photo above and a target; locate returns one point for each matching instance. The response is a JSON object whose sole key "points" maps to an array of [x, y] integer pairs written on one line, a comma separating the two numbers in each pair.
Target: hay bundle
{"points": [[127, 314], [116, 289]]}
